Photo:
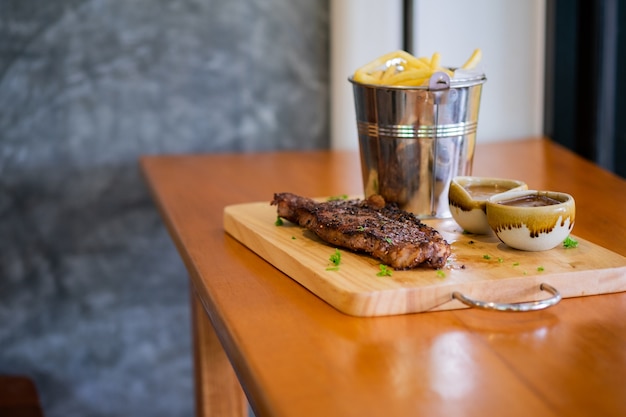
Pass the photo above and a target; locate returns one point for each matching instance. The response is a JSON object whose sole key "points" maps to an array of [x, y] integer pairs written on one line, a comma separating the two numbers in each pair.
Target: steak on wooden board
{"points": [[395, 237]]}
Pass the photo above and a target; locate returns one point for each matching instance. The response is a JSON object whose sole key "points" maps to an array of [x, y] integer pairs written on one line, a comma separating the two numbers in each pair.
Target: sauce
{"points": [[483, 192], [533, 200]]}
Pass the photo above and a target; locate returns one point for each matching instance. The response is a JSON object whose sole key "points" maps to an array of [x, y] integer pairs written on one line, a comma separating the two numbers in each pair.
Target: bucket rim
{"points": [[454, 83]]}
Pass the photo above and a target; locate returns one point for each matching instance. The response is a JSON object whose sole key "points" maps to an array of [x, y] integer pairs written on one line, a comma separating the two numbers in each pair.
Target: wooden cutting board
{"points": [[480, 267]]}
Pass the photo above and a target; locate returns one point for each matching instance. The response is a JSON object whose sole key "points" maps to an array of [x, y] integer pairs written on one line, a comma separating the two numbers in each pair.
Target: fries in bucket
{"points": [[399, 68]]}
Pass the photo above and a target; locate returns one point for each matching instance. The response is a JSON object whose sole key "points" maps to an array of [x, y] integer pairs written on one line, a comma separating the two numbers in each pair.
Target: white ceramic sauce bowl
{"points": [[468, 197], [531, 220]]}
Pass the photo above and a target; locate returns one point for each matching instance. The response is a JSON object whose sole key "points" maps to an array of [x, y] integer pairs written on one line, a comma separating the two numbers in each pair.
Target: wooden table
{"points": [[295, 355]]}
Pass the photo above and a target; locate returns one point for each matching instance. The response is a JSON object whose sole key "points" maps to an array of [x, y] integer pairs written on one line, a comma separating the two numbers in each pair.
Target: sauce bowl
{"points": [[468, 197], [531, 220]]}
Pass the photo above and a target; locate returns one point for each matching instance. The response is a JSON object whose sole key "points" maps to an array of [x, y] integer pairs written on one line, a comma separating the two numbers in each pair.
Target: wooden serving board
{"points": [[480, 267]]}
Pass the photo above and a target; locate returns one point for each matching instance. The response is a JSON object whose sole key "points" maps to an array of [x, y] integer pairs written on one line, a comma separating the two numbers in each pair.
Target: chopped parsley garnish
{"points": [[486, 256], [500, 260], [540, 268], [338, 197], [335, 259], [360, 228], [388, 240], [441, 273], [570, 243], [385, 271], [515, 263], [279, 221]]}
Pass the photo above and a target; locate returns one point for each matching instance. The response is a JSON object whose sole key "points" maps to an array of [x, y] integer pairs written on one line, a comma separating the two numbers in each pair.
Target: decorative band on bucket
{"points": [[417, 131]]}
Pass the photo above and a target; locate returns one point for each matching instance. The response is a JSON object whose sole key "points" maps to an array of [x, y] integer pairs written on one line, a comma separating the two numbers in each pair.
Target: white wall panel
{"points": [[361, 30], [511, 34]]}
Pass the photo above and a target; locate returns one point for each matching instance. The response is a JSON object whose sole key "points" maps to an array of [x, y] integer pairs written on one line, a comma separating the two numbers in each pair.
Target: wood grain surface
{"points": [[480, 267], [296, 355]]}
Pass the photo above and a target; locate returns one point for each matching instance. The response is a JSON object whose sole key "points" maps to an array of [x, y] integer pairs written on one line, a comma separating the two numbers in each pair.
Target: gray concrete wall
{"points": [[93, 296]]}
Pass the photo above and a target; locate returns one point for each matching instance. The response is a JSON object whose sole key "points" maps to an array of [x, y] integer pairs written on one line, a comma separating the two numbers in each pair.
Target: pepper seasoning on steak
{"points": [[395, 237]]}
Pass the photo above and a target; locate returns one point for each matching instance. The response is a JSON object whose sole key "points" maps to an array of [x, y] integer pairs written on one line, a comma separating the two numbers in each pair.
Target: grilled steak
{"points": [[395, 237]]}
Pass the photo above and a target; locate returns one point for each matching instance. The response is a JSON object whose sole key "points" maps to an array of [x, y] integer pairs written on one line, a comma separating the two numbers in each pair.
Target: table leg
{"points": [[217, 390]]}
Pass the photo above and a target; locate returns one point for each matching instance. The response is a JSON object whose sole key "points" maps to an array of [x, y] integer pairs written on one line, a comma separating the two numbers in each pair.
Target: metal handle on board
{"points": [[524, 306]]}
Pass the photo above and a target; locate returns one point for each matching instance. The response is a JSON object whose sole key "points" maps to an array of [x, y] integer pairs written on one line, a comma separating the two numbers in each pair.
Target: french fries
{"points": [[400, 68], [473, 60]]}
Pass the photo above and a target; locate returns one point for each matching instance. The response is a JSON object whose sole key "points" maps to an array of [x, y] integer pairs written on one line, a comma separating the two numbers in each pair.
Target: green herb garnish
{"points": [[570, 243], [441, 273], [279, 221], [486, 256], [384, 271], [360, 228], [500, 260], [388, 240], [338, 197], [540, 268], [335, 259], [515, 263]]}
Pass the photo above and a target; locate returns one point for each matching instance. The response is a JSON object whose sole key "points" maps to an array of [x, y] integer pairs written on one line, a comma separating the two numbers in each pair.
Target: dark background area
{"points": [[586, 79], [94, 300]]}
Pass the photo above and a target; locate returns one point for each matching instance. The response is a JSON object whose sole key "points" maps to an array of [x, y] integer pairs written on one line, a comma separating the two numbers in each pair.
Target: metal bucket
{"points": [[414, 140]]}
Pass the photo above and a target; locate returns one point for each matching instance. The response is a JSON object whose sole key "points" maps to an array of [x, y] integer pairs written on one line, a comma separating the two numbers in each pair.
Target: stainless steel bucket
{"points": [[414, 140]]}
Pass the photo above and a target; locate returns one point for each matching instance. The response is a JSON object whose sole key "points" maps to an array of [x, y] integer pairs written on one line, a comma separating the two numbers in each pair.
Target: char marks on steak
{"points": [[395, 237]]}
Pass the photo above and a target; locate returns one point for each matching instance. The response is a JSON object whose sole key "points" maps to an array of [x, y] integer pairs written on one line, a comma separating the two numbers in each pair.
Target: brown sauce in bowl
{"points": [[483, 192], [533, 200]]}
